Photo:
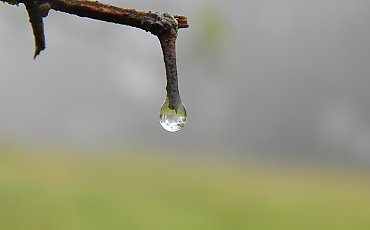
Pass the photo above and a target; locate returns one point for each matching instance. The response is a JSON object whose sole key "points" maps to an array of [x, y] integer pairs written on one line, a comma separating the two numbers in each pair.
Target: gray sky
{"points": [[261, 77]]}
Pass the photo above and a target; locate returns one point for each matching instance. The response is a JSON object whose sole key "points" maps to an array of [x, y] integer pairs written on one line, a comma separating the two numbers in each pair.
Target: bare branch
{"points": [[154, 22], [164, 25]]}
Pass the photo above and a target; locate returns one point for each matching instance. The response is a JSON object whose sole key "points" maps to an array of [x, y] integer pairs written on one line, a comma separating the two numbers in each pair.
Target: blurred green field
{"points": [[59, 190]]}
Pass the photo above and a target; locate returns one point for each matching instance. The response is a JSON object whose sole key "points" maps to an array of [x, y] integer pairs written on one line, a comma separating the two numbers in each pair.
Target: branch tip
{"points": [[36, 13]]}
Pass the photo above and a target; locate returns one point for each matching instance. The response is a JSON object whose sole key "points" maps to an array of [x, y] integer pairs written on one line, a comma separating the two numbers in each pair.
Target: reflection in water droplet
{"points": [[170, 119]]}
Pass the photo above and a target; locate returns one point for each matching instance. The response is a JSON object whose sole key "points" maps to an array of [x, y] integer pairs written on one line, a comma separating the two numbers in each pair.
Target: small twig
{"points": [[168, 44], [163, 25], [37, 24]]}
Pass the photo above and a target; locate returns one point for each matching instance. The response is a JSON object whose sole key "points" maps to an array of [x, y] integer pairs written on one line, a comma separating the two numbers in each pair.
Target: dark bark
{"points": [[168, 44], [35, 17]]}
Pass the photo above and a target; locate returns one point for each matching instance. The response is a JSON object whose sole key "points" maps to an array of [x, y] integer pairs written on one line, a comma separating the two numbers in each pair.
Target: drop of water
{"points": [[170, 119]]}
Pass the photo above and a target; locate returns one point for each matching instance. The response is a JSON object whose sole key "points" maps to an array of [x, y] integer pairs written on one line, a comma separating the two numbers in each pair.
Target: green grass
{"points": [[62, 191]]}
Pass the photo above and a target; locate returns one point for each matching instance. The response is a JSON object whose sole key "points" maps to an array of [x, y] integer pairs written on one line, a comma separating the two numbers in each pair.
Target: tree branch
{"points": [[153, 22], [164, 25]]}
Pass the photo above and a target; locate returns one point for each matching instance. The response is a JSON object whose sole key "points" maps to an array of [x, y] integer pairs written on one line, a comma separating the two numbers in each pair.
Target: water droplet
{"points": [[170, 119]]}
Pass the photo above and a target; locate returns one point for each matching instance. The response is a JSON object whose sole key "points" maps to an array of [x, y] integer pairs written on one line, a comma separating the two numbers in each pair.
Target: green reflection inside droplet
{"points": [[172, 120]]}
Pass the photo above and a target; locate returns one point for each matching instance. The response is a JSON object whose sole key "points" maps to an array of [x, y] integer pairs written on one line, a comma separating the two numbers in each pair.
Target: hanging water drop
{"points": [[173, 114], [172, 120]]}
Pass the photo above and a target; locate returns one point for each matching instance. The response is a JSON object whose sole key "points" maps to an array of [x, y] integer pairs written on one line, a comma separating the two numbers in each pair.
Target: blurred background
{"points": [[278, 132]]}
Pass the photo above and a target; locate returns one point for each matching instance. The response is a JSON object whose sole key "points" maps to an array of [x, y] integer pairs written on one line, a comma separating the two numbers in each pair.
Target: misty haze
{"points": [[257, 77]]}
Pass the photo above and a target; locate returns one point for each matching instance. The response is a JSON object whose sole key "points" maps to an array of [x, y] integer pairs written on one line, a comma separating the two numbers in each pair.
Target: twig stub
{"points": [[35, 16]]}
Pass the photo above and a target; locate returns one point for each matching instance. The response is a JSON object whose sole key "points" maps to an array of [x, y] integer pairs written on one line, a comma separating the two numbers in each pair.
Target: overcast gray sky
{"points": [[259, 77]]}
